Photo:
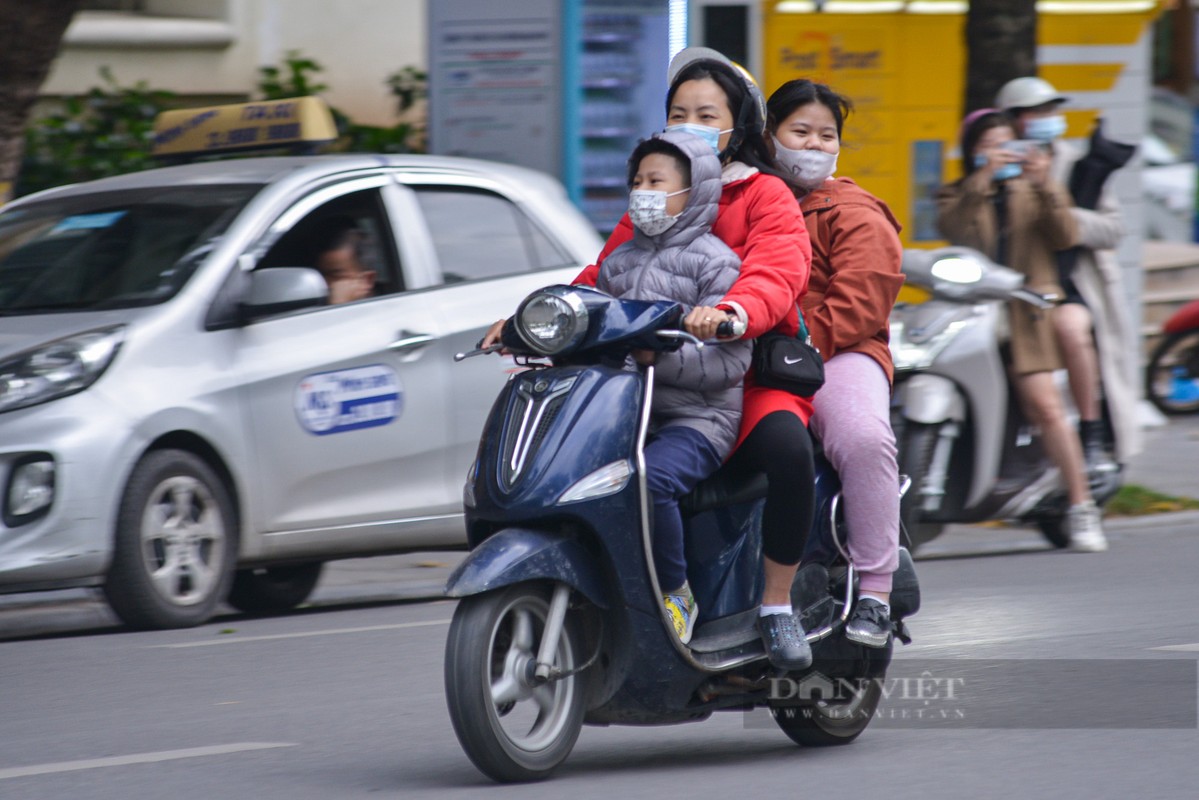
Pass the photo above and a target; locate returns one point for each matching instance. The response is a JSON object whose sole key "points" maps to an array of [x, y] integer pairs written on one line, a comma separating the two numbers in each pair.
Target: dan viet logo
{"points": [[924, 696]]}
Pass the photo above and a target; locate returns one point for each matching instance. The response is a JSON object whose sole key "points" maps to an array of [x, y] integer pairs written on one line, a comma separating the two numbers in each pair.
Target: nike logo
{"points": [[792, 361]]}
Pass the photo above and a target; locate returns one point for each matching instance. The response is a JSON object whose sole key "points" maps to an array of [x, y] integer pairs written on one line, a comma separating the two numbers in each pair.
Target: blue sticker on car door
{"points": [[348, 399]]}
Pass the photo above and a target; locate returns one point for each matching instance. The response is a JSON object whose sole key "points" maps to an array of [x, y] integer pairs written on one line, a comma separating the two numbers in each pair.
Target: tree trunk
{"points": [[30, 34], [1001, 44]]}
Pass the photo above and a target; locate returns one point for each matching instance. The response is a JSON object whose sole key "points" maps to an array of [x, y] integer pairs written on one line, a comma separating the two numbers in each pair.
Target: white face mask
{"points": [[810, 168], [647, 210]]}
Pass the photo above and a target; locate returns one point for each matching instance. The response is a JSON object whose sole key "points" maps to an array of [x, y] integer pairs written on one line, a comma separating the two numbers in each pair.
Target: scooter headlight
{"points": [[957, 269], [552, 321]]}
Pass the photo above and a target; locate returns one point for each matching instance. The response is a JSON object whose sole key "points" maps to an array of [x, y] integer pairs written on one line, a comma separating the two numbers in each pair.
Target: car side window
{"points": [[479, 234], [349, 242]]}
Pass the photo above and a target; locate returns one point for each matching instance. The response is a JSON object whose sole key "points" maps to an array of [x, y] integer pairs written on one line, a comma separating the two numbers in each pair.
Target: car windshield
{"points": [[113, 249]]}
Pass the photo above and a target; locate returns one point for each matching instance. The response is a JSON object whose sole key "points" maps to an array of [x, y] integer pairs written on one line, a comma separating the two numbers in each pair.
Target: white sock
{"points": [[886, 605], [766, 611]]}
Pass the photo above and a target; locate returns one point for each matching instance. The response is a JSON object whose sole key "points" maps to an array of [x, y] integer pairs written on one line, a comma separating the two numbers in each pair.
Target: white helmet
{"points": [[1027, 93], [755, 113]]}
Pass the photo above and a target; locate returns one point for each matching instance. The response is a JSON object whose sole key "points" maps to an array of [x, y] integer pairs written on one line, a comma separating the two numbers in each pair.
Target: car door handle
{"points": [[407, 340]]}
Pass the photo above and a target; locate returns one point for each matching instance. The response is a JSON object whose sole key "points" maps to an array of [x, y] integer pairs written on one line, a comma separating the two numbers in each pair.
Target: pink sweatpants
{"points": [[853, 422]]}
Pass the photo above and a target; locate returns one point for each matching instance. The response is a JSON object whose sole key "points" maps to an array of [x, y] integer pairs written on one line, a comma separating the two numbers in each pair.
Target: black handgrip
{"points": [[725, 330]]}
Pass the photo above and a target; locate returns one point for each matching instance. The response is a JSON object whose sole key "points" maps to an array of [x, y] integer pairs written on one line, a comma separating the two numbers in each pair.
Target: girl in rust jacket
{"points": [[856, 257], [1008, 206]]}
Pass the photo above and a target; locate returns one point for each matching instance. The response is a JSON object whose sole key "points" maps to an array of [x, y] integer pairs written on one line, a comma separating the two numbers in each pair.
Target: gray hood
{"points": [[703, 201]]}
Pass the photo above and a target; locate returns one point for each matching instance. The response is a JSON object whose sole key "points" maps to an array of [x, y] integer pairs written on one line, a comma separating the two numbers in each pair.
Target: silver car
{"points": [[184, 416]]}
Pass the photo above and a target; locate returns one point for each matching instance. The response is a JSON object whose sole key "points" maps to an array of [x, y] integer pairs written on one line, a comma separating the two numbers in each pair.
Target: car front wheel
{"points": [[175, 545]]}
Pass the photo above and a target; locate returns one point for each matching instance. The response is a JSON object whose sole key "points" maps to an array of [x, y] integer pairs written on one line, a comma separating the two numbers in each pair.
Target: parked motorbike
{"points": [[560, 621], [1172, 375], [963, 438]]}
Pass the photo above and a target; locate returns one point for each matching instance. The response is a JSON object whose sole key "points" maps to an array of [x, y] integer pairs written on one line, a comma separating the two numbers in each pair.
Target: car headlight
{"points": [[552, 321], [58, 368]]}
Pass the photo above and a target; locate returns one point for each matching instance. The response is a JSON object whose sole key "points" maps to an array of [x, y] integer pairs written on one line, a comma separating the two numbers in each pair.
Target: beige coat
{"points": [[1097, 275], [1039, 223]]}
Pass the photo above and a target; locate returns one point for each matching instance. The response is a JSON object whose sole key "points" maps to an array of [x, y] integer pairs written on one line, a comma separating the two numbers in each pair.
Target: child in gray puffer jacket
{"points": [[675, 182]]}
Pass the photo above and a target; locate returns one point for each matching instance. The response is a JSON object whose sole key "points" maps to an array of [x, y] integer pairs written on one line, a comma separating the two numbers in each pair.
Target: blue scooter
{"points": [[561, 621]]}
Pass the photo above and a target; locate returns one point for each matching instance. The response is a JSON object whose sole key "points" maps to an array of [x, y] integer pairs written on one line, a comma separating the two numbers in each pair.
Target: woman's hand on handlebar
{"points": [[492, 337], [702, 321]]}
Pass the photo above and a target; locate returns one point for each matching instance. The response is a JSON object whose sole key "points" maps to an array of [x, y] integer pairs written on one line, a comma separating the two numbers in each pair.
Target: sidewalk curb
{"points": [[1126, 524]]}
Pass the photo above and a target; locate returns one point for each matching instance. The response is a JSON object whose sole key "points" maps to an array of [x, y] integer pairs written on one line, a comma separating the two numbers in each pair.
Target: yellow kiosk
{"points": [[904, 66]]}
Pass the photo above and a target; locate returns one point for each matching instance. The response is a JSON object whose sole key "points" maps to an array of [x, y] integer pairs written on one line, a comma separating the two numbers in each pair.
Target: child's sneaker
{"points": [[683, 609]]}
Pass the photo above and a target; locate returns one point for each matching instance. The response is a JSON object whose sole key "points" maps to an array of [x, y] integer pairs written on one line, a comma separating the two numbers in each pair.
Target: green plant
{"points": [[107, 131], [1133, 500], [292, 79]]}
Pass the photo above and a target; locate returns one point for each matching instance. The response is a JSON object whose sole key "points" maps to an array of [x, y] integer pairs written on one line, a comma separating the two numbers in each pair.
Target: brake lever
{"points": [[478, 351], [672, 334], [1036, 299]]}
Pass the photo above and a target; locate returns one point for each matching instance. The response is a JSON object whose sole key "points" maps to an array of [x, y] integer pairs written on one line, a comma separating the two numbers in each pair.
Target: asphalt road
{"points": [[1074, 676]]}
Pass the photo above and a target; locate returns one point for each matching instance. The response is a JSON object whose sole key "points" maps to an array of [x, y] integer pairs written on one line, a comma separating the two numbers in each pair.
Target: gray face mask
{"points": [[647, 210], [809, 168]]}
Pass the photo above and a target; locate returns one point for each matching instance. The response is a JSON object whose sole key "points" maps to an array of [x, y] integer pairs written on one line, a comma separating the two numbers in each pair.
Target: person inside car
{"points": [[339, 243]]}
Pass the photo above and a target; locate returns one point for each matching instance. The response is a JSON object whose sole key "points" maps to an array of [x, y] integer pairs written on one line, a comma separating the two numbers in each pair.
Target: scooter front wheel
{"points": [[512, 727], [916, 450], [1172, 377]]}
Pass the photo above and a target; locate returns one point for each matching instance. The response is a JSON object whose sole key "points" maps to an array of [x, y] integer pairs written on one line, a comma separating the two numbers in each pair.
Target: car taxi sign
{"points": [[244, 126]]}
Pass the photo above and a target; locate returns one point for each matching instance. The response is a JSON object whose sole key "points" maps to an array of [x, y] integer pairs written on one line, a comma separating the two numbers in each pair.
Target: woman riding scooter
{"points": [[760, 221], [1008, 206]]}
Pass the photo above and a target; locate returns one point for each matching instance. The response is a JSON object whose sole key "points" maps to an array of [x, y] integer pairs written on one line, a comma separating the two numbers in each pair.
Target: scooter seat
{"points": [[725, 487]]}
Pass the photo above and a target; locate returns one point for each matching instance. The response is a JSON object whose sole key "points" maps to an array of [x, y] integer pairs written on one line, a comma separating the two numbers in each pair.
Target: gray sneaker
{"points": [[869, 624], [1084, 521]]}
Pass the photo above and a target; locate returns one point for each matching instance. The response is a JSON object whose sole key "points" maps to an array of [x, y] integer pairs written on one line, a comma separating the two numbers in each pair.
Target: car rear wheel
{"points": [[175, 545], [273, 590]]}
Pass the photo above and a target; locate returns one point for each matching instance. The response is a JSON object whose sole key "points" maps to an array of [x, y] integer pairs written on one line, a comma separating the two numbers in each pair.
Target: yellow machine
{"points": [[904, 66]]}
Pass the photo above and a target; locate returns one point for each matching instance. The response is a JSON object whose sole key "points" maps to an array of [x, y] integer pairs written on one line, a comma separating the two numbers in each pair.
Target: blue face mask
{"points": [[706, 132], [1045, 129], [1006, 172]]}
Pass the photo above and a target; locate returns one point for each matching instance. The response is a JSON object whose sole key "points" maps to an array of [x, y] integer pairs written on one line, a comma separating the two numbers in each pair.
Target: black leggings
{"points": [[780, 446]]}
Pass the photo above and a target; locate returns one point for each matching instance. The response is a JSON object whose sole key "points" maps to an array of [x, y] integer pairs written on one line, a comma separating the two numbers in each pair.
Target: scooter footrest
{"points": [[726, 632]]}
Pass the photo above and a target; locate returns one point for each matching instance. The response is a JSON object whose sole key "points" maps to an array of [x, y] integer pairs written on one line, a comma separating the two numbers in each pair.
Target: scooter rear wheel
{"points": [[511, 729], [832, 722]]}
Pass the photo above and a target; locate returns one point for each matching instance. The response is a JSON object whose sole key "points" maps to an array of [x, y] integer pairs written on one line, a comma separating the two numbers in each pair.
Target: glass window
{"points": [[479, 234], [111, 249]]}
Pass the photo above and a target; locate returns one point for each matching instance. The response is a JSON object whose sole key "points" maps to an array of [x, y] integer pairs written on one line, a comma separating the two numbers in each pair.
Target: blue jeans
{"points": [[676, 459]]}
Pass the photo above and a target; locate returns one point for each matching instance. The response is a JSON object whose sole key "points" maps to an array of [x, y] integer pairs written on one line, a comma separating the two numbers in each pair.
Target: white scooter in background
{"points": [[963, 438]]}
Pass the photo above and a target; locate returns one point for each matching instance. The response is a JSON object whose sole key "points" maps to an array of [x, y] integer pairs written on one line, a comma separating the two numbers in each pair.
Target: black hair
{"points": [[975, 130], [655, 145], [801, 92], [746, 144], [335, 233]]}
